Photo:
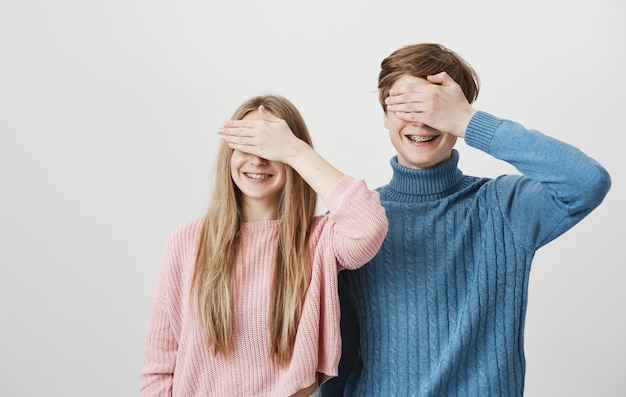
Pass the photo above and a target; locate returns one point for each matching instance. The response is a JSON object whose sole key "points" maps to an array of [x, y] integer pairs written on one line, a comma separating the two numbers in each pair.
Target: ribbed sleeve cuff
{"points": [[481, 129]]}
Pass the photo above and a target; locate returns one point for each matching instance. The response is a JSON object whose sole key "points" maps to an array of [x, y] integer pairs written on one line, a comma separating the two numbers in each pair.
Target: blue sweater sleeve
{"points": [[559, 184]]}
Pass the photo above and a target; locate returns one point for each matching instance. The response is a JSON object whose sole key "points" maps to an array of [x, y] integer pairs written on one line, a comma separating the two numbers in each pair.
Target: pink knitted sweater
{"points": [[177, 360]]}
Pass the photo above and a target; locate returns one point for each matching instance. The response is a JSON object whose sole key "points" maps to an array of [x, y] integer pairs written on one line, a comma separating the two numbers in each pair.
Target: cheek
{"points": [[394, 123], [237, 160], [450, 140], [283, 177]]}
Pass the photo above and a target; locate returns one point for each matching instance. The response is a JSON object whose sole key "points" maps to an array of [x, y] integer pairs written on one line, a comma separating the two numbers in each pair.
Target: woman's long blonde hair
{"points": [[219, 245]]}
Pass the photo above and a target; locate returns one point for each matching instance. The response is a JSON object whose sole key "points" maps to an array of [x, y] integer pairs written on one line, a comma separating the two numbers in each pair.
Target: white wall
{"points": [[108, 119]]}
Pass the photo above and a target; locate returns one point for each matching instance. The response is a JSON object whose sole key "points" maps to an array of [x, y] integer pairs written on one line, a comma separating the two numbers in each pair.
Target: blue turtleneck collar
{"points": [[408, 184]]}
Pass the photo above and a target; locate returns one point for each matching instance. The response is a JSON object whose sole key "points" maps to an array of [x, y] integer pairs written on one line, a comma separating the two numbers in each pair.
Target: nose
{"points": [[258, 161]]}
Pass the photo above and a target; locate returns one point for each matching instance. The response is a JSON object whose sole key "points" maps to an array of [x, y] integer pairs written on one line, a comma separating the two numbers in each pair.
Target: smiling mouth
{"points": [[257, 176], [419, 138]]}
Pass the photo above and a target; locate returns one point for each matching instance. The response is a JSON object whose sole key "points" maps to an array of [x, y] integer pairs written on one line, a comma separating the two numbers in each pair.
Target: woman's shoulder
{"points": [[192, 224], [187, 231], [318, 224]]}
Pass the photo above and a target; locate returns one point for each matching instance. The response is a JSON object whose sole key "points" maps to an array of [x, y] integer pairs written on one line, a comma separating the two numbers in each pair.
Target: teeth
{"points": [[416, 138], [257, 176]]}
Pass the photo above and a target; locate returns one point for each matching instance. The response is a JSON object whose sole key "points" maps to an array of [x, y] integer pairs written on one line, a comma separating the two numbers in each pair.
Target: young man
{"points": [[440, 309]]}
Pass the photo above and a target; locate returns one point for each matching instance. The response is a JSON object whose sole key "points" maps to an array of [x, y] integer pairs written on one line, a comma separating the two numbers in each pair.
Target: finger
{"points": [[405, 109], [440, 78], [239, 147], [236, 124], [240, 141], [234, 136], [412, 117], [267, 116], [401, 89], [397, 98], [410, 99], [226, 131], [237, 128]]}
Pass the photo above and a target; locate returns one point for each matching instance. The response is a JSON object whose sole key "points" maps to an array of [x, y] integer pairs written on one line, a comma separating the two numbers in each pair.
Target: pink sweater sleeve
{"points": [[360, 222], [161, 342], [159, 357]]}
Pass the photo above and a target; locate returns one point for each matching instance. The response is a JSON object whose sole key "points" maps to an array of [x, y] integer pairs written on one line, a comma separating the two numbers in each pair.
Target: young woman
{"points": [[246, 301]]}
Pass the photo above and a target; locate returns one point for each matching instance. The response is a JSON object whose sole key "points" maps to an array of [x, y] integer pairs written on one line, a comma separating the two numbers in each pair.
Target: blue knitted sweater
{"points": [[440, 309]]}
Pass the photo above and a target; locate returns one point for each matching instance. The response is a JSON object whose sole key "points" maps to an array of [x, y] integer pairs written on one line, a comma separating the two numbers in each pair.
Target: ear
{"points": [[385, 120]]}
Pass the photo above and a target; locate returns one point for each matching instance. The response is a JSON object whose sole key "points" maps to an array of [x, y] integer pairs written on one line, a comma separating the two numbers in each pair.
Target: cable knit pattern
{"points": [[441, 307], [177, 360]]}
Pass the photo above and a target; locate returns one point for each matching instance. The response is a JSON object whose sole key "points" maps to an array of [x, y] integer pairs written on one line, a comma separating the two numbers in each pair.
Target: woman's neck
{"points": [[259, 210]]}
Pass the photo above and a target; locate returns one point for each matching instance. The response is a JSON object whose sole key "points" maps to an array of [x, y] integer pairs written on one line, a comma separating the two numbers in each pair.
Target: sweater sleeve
{"points": [[160, 346], [358, 221], [559, 185]]}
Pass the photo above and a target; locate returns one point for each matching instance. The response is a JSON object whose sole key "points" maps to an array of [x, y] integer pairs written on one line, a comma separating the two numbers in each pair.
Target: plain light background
{"points": [[108, 120]]}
